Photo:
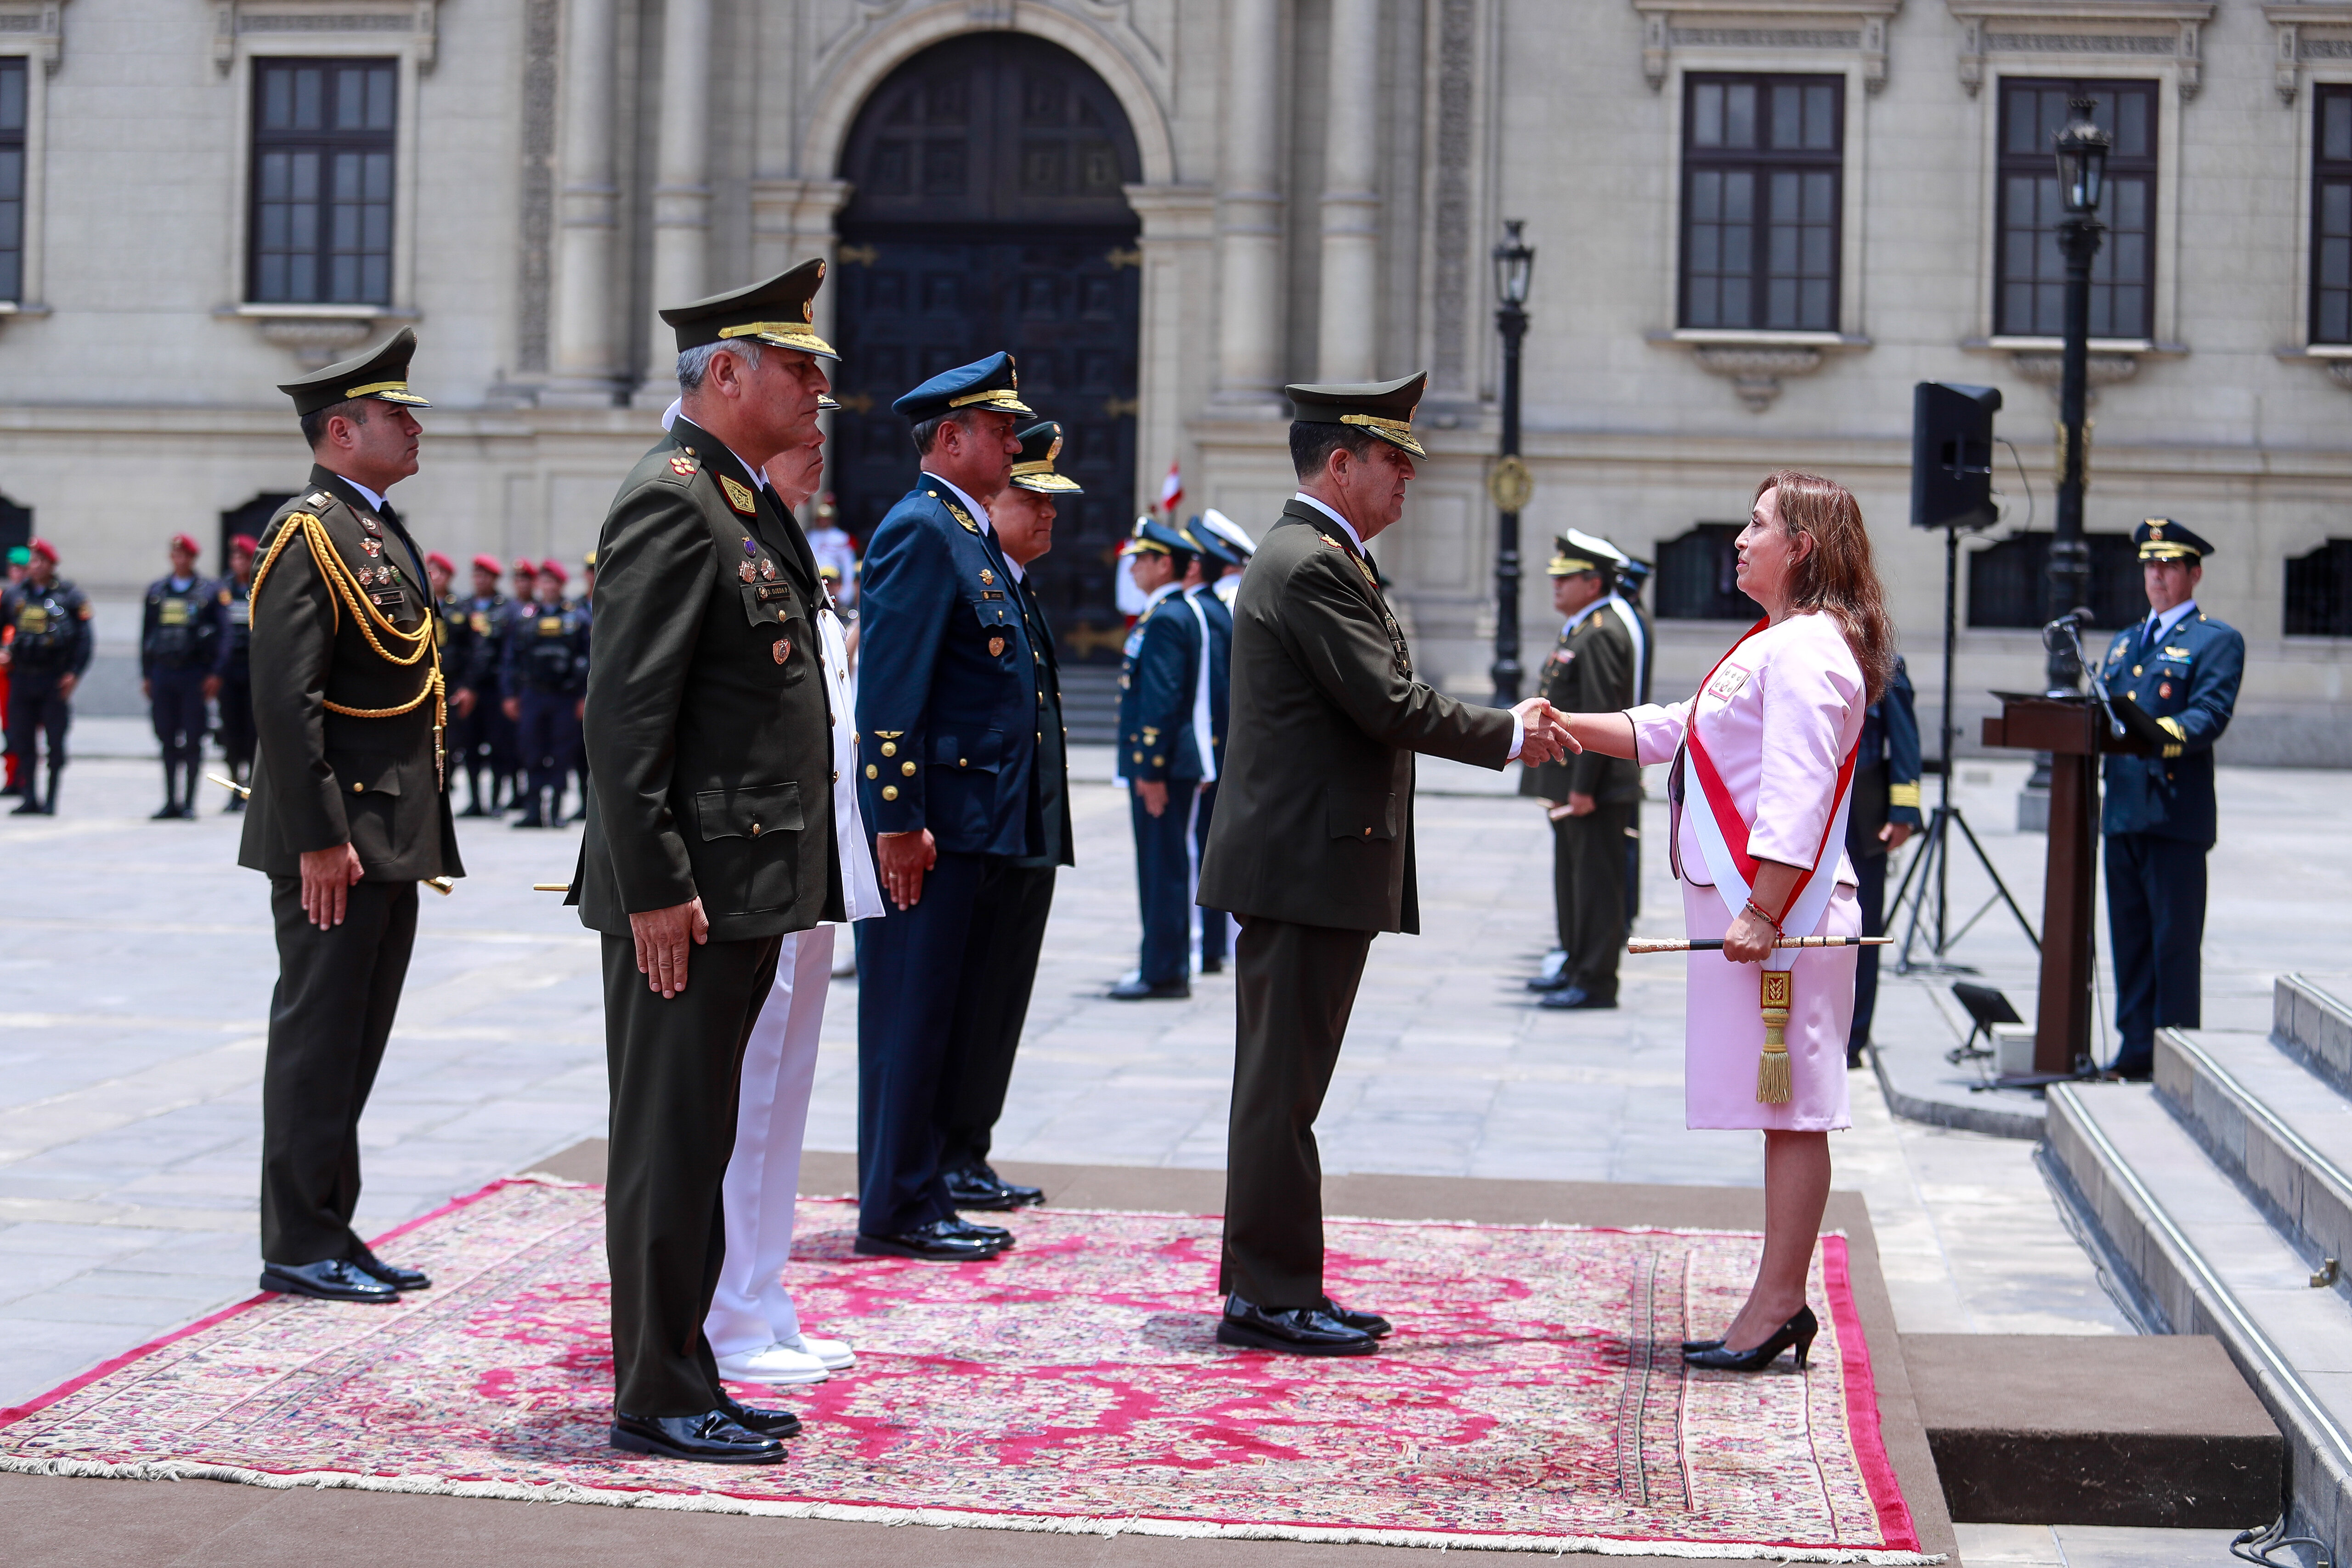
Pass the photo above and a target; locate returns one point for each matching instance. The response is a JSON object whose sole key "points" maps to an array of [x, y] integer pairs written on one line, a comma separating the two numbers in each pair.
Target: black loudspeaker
{"points": [[1951, 454]]}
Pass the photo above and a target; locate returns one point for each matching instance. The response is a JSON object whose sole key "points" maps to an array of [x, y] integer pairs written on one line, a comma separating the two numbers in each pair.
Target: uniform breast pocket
{"points": [[1359, 814], [997, 621], [781, 627], [748, 834]]}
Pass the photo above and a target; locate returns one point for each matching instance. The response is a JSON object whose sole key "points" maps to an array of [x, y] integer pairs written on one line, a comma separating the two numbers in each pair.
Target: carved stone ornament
{"points": [[2076, 30], [1756, 373], [1760, 28], [2306, 30], [1509, 484], [41, 25], [2047, 367], [2339, 370], [409, 27], [317, 342]]}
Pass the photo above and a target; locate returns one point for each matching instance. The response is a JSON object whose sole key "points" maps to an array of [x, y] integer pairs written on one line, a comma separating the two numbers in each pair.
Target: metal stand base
{"points": [[1929, 874]]}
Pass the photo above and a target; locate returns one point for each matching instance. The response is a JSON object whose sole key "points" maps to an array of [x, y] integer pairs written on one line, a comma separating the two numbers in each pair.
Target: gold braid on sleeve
{"points": [[419, 646]]}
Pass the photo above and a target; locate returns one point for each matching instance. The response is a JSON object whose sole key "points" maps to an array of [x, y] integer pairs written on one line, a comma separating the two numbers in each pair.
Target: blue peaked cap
{"points": [[988, 382], [1210, 547], [1159, 537]]}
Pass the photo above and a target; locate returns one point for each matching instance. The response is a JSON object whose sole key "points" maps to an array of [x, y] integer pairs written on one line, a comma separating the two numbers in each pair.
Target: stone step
{"points": [[1090, 703], [2314, 1027], [2278, 1130], [2199, 1257]]}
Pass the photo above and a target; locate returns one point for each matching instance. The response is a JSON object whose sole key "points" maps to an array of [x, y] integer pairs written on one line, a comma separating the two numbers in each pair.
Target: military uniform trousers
{"points": [[2156, 928], [37, 708], [674, 1066], [1593, 848], [750, 1309], [1296, 985], [550, 746], [175, 706], [1870, 892], [236, 719], [1216, 926], [912, 972], [1164, 851], [1000, 968], [468, 742], [329, 1016]]}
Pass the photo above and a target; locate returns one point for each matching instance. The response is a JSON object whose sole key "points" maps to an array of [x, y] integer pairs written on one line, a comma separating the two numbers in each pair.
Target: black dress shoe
{"points": [[1371, 1323], [1295, 1331], [475, 808], [235, 806], [1213, 966], [1559, 981], [996, 1237], [942, 1241], [392, 1274], [2136, 1068], [532, 819], [976, 1186], [777, 1423], [1798, 1331], [1138, 991], [170, 813], [1574, 998], [336, 1279], [713, 1438]]}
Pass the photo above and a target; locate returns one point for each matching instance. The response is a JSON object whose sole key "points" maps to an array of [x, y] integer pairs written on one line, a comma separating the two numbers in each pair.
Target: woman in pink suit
{"points": [[1763, 759]]}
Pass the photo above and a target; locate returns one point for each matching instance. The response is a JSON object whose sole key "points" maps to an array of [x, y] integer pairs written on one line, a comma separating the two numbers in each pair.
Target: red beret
{"points": [[435, 558], [489, 563], [526, 567], [246, 542], [181, 542], [552, 567], [47, 552]]}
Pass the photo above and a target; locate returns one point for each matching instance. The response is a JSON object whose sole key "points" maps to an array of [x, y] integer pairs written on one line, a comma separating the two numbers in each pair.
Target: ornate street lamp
{"points": [[2082, 155], [1509, 484]]}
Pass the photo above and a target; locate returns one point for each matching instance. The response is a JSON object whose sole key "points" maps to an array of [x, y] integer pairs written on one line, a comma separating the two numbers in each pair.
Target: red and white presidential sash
{"points": [[1722, 832]]}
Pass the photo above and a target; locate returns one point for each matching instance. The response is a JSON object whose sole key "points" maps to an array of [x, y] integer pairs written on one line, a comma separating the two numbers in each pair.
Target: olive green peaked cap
{"points": [[777, 312], [1383, 407], [382, 374]]}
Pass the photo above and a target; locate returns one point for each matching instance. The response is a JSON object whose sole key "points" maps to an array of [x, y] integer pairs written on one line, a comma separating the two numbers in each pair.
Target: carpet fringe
{"points": [[943, 1519]]}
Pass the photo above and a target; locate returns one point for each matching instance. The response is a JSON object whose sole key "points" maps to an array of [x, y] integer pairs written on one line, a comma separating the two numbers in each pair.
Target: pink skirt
{"points": [[1724, 1028]]}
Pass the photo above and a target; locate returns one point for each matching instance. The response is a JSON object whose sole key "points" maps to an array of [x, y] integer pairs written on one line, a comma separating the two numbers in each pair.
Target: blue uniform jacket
{"points": [[1220, 618], [2186, 681], [1157, 684], [948, 700], [1890, 734]]}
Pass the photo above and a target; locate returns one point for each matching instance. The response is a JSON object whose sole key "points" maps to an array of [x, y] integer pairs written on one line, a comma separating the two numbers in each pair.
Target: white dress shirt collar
{"points": [[2160, 625], [1353, 536], [374, 500], [1154, 597], [670, 417], [1579, 619]]}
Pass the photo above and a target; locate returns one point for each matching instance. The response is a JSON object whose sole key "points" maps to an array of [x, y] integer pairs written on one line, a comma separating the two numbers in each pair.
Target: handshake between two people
{"points": [[1545, 735]]}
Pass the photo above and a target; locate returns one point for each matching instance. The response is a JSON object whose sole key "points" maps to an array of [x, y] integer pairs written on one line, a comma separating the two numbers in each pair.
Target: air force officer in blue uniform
{"points": [[949, 706], [2182, 668], [1165, 753]]}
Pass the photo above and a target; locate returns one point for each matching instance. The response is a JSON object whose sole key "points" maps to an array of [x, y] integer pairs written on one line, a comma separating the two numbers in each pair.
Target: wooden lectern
{"points": [[2075, 733]]}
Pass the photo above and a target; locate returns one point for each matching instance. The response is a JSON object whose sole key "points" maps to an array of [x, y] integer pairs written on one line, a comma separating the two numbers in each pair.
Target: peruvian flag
{"points": [[1171, 489]]}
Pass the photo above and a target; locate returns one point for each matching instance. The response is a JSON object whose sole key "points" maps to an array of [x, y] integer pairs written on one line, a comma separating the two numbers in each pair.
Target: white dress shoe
{"points": [[834, 1355], [777, 1366]]}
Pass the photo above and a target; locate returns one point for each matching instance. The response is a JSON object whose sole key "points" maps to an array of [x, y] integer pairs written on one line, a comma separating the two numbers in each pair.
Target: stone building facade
{"points": [[1757, 223]]}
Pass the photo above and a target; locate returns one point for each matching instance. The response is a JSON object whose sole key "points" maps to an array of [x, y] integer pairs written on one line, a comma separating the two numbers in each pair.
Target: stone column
{"points": [[1349, 336], [587, 358], [1249, 213], [682, 185]]}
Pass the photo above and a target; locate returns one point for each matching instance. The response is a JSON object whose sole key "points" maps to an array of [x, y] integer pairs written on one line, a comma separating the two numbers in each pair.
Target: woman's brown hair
{"points": [[1838, 574]]}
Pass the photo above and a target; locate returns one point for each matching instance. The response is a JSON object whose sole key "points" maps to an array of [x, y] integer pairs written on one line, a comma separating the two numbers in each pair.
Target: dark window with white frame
{"points": [[2032, 298], [322, 152], [2331, 215], [1763, 169], [13, 84]]}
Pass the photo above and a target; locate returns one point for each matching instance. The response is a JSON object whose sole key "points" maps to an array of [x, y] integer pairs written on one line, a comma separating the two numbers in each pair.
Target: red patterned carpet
{"points": [[1532, 1398]]}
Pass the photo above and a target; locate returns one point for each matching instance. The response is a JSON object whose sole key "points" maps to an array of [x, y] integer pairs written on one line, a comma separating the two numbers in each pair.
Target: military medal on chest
{"points": [[783, 650]]}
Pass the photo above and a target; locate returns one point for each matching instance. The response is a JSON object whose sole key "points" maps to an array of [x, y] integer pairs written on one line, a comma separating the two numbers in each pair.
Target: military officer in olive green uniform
{"points": [[1312, 844], [348, 813], [710, 830], [1592, 800]]}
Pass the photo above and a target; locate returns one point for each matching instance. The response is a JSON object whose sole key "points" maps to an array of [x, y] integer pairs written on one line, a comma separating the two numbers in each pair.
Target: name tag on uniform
{"points": [[240, 612], [389, 600], [175, 612], [551, 625], [33, 620], [1728, 682]]}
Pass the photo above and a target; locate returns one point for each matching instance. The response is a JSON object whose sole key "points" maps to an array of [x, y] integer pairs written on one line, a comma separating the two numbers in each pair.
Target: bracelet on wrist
{"points": [[1758, 911]]}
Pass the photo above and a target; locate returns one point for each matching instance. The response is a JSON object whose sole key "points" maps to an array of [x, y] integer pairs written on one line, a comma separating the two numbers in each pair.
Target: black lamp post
{"points": [[1510, 483], [2082, 184]]}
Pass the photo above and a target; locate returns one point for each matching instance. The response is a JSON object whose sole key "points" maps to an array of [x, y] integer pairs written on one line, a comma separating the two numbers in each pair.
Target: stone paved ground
{"points": [[135, 966]]}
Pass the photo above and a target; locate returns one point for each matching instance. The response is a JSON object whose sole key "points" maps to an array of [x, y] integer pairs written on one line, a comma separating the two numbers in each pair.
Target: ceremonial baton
{"points": [[1715, 943], [444, 886], [550, 886]]}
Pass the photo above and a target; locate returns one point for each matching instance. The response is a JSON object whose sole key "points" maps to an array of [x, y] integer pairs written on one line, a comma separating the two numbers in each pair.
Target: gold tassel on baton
{"points": [[444, 886], [1774, 991]]}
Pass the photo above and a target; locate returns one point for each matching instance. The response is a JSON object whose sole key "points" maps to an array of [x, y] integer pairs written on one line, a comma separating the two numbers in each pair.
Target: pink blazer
{"points": [[1778, 717]]}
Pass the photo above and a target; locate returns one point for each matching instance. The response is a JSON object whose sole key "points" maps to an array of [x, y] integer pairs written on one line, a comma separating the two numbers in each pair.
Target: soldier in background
{"points": [[1165, 754], [19, 560], [233, 670], [835, 550], [1592, 799], [1239, 547], [546, 676], [1625, 602], [2181, 667], [49, 647], [477, 721], [179, 643], [456, 634], [514, 779], [1220, 563], [1885, 813], [1016, 893]]}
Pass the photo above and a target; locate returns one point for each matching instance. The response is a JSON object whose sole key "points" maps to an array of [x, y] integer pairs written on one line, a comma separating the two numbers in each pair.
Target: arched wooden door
{"points": [[986, 214]]}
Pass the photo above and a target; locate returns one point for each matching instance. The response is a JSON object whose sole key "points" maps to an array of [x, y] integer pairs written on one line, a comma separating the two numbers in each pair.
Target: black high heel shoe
{"points": [[1798, 1331]]}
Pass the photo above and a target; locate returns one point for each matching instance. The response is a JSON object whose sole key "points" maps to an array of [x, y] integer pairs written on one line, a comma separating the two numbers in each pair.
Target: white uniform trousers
{"points": [[752, 1309]]}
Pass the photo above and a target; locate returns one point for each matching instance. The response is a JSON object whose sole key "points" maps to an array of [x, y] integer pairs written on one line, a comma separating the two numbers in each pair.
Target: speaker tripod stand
{"points": [[1927, 881]]}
